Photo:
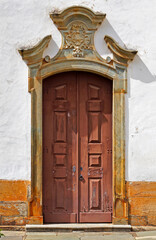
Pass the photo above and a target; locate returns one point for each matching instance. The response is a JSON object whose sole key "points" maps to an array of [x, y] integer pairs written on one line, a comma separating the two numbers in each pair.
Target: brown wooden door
{"points": [[95, 136], [77, 140], [60, 183]]}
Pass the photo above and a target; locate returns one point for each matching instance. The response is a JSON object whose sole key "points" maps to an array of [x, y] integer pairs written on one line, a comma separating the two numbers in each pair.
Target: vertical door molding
{"points": [[121, 57], [33, 58], [77, 26]]}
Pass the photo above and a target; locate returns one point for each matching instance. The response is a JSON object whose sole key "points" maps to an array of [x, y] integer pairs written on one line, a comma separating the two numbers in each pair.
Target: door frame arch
{"points": [[75, 57]]}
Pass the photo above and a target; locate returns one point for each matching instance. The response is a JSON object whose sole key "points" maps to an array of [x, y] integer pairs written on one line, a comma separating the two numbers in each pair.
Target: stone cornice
{"points": [[33, 58], [63, 19], [34, 55], [121, 56]]}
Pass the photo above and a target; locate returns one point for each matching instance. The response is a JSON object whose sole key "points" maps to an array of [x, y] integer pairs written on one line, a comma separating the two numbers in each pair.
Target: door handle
{"points": [[81, 178]]}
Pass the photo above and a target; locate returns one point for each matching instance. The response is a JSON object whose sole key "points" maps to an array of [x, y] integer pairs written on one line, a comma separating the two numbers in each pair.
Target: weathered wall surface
{"points": [[132, 24], [142, 203], [13, 202]]}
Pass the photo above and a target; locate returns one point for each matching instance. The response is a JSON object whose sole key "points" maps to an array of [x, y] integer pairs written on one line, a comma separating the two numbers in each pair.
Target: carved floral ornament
{"points": [[78, 39]]}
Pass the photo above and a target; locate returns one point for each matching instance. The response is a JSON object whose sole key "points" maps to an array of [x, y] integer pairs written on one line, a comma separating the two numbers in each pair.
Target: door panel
{"points": [[77, 140], [95, 136], [60, 149]]}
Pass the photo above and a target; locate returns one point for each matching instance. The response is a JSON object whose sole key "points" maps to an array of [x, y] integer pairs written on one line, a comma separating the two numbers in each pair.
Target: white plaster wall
{"points": [[131, 23]]}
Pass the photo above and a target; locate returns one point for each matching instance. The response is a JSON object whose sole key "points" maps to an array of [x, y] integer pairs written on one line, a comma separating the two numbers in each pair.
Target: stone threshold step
{"points": [[92, 227]]}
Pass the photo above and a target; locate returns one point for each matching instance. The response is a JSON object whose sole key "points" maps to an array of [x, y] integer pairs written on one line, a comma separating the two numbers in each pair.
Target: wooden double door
{"points": [[77, 148]]}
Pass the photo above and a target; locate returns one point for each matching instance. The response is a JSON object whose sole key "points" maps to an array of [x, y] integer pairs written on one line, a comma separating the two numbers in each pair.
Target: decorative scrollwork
{"points": [[78, 39]]}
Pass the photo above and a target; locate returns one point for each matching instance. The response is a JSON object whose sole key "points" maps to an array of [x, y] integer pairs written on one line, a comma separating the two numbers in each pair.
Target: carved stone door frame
{"points": [[77, 26]]}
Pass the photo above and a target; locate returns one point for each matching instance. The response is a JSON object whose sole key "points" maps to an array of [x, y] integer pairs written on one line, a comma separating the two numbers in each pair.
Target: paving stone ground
{"points": [[18, 235], [80, 236], [13, 235]]}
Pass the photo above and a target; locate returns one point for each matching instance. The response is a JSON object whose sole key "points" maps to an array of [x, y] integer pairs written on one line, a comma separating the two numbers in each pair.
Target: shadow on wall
{"points": [[52, 49], [140, 72], [105, 29], [137, 70]]}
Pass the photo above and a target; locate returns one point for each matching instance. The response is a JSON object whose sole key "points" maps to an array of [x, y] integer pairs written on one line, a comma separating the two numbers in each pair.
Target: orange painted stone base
{"points": [[20, 221], [142, 203], [14, 204], [34, 220]]}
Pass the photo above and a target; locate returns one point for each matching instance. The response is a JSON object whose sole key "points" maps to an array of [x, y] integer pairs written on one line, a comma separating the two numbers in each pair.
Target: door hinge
{"points": [[45, 149]]}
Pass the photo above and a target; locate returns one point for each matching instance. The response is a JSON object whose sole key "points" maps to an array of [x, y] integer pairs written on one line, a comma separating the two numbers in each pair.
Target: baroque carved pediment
{"points": [[77, 26]]}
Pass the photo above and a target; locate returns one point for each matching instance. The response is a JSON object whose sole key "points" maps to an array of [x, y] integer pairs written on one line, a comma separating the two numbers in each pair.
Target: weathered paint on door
{"points": [[77, 152], [60, 184]]}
